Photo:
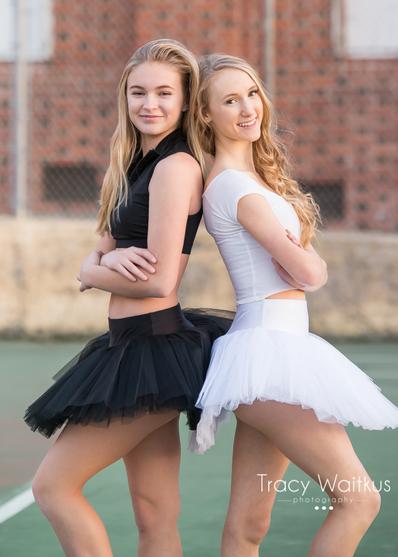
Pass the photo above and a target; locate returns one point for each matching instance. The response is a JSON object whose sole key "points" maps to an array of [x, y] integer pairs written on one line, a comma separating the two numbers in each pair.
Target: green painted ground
{"points": [[25, 370]]}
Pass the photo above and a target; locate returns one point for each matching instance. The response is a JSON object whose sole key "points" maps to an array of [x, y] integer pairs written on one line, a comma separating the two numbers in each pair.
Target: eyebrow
{"points": [[237, 94], [158, 87]]}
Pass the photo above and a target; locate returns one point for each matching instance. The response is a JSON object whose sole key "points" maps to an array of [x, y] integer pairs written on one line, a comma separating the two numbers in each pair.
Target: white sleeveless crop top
{"points": [[249, 264]]}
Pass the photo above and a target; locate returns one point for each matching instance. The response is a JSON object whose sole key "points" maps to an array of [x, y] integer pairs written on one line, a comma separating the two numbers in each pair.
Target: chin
{"points": [[151, 128], [252, 136], [256, 136]]}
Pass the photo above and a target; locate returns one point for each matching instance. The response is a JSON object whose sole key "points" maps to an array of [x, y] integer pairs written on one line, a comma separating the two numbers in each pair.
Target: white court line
{"points": [[16, 505]]}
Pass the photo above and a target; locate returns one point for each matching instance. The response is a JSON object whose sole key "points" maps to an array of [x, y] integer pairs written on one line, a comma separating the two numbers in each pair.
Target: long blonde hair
{"points": [[269, 159], [125, 138]]}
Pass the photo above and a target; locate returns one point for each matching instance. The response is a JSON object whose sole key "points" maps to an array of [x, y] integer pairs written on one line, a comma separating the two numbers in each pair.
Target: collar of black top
{"points": [[140, 162], [164, 144], [170, 139]]}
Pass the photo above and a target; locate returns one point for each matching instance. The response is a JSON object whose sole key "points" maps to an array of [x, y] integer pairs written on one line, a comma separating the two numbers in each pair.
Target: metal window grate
{"points": [[68, 183], [329, 196]]}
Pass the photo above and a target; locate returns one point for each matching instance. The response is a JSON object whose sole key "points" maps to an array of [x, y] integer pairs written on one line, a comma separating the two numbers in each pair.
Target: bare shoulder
{"points": [[182, 174], [180, 163]]}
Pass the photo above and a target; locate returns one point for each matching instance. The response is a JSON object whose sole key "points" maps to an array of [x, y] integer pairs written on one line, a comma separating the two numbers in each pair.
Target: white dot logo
{"points": [[324, 508]]}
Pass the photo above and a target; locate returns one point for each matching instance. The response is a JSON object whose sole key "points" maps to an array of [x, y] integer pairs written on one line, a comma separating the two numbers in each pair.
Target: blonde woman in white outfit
{"points": [[291, 391]]}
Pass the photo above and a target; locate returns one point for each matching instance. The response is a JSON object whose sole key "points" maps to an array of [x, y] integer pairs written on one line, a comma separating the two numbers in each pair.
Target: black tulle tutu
{"points": [[144, 363]]}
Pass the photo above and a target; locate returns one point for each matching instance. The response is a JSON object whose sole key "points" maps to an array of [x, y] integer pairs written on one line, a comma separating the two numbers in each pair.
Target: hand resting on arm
{"points": [[303, 264], [175, 181]]}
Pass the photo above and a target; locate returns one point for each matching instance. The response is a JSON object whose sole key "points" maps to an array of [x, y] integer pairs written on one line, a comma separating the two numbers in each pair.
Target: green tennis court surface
{"points": [[26, 369]]}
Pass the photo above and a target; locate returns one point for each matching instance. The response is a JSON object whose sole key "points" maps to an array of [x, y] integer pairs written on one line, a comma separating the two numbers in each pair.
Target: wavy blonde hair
{"points": [[269, 159], [126, 139]]}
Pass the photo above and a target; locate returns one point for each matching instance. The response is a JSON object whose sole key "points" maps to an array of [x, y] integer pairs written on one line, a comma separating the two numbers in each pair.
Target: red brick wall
{"points": [[6, 179], [73, 98], [342, 113], [233, 26]]}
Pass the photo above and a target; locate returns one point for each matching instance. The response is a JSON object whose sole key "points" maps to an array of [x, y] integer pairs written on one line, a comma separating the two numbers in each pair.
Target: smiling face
{"points": [[235, 109], [155, 98]]}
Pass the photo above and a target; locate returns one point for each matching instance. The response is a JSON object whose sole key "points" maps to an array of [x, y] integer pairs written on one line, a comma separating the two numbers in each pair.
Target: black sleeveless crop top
{"points": [[130, 227]]}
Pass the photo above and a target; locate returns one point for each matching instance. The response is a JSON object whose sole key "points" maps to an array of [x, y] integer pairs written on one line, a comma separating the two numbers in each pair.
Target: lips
{"points": [[248, 123], [150, 116]]}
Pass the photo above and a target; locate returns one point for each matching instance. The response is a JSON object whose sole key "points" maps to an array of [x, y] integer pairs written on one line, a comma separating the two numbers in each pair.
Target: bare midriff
{"points": [[293, 294]]}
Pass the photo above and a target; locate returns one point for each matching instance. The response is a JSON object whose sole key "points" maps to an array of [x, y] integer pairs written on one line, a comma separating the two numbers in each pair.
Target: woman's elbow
{"points": [[317, 276], [164, 286]]}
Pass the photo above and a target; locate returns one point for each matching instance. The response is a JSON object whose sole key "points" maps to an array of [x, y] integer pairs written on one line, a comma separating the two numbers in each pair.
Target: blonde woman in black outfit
{"points": [[121, 396]]}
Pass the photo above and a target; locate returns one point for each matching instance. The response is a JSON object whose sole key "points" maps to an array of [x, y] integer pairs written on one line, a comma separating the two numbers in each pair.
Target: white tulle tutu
{"points": [[269, 354]]}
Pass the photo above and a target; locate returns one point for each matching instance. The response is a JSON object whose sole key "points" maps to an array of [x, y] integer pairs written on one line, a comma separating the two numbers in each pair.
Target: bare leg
{"points": [[323, 451], [78, 454], [249, 511], [153, 474]]}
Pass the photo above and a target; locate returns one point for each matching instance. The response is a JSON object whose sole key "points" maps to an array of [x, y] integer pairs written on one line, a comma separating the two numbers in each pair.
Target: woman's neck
{"points": [[149, 142], [234, 154]]}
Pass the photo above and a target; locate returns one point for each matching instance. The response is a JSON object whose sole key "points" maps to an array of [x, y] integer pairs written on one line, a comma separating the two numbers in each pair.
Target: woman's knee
{"points": [[369, 505], [364, 506], [153, 515], [44, 491], [250, 528], [50, 492]]}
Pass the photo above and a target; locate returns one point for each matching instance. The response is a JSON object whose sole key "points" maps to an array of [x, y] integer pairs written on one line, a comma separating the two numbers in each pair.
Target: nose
{"points": [[149, 102], [247, 108]]}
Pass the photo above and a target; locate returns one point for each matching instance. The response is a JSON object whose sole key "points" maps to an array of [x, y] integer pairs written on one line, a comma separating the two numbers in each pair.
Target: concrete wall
{"points": [[40, 296]]}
